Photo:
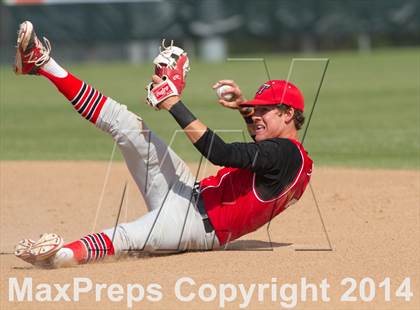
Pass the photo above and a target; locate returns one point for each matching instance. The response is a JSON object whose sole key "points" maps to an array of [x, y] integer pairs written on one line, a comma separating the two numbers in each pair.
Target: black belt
{"points": [[200, 206]]}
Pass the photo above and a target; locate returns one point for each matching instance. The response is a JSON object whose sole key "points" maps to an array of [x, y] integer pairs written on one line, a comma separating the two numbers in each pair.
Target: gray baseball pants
{"points": [[173, 223]]}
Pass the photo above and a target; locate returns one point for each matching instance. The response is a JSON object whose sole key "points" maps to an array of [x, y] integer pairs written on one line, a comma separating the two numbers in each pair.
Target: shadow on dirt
{"points": [[254, 245]]}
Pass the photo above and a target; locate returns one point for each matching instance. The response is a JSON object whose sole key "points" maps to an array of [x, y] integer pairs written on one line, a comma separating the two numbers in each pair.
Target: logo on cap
{"points": [[262, 88]]}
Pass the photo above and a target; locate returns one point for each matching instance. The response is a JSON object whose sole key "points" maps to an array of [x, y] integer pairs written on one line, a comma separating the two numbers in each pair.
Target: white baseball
{"points": [[221, 89]]}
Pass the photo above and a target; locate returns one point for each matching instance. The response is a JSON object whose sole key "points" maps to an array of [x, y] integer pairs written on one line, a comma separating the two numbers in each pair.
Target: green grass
{"points": [[367, 113]]}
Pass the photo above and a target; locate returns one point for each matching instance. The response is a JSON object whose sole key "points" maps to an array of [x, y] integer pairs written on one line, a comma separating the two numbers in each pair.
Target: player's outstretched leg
{"points": [[33, 57], [159, 173], [51, 252], [153, 165]]}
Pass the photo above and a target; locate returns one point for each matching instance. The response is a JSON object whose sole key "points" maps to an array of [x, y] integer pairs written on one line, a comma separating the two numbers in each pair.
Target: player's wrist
{"points": [[182, 114], [168, 103]]}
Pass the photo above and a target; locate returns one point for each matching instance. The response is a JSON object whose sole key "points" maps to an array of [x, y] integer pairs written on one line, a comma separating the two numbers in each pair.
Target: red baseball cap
{"points": [[277, 92]]}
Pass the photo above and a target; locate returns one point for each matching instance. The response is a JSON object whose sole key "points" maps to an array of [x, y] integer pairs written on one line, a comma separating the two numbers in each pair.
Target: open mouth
{"points": [[259, 128]]}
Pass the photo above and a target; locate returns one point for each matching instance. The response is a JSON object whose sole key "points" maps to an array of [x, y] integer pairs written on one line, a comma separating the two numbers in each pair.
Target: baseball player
{"points": [[257, 182]]}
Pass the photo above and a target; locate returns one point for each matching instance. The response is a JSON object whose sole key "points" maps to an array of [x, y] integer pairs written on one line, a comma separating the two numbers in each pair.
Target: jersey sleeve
{"points": [[260, 157]]}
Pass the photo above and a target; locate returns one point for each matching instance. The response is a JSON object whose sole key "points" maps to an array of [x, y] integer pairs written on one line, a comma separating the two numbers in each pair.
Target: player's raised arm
{"points": [[164, 92]]}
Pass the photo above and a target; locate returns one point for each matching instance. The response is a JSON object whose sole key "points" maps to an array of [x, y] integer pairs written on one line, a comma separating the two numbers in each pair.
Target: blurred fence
{"points": [[100, 30]]}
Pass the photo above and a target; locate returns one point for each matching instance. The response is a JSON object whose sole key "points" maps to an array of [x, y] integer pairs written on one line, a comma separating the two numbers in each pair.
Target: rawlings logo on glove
{"points": [[158, 93], [162, 91], [172, 65]]}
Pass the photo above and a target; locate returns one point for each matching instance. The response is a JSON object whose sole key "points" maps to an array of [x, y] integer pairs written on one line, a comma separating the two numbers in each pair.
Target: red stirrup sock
{"points": [[84, 98], [91, 248]]}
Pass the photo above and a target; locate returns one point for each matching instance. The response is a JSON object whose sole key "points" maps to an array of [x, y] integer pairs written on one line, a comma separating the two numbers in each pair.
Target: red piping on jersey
{"points": [[253, 182]]}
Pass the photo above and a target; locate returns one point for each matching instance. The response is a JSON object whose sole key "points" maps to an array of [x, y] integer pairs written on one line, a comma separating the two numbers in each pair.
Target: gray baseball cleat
{"points": [[41, 252]]}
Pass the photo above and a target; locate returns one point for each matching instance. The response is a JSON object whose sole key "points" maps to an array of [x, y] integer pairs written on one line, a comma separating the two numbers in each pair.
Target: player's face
{"points": [[268, 122]]}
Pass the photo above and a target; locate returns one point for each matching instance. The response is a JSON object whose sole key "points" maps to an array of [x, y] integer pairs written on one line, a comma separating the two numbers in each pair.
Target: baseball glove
{"points": [[172, 65]]}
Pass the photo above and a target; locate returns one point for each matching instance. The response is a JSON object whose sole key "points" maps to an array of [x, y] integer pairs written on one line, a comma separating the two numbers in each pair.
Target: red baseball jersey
{"points": [[233, 205]]}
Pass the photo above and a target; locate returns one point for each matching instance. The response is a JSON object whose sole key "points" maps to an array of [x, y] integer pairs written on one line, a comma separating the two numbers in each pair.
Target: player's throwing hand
{"points": [[233, 90]]}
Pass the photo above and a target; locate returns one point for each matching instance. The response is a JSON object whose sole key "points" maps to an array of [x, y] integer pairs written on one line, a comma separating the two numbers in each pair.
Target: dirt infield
{"points": [[372, 218]]}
